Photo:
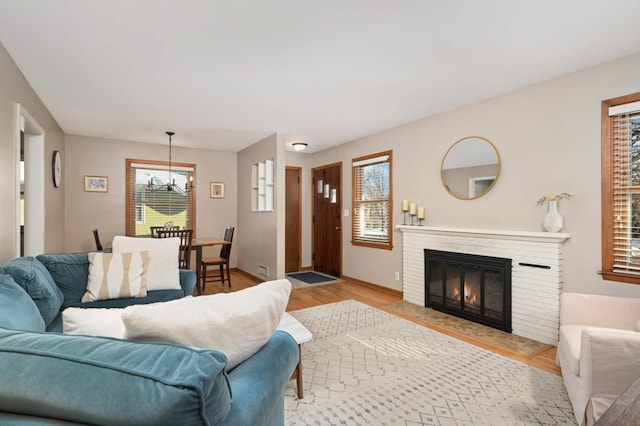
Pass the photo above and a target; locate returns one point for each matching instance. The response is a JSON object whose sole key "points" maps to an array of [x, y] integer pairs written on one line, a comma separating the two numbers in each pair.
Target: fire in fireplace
{"points": [[477, 288]]}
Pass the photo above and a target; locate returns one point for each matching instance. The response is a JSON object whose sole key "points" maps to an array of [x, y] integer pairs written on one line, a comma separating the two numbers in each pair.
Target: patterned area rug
{"points": [[368, 367], [500, 339]]}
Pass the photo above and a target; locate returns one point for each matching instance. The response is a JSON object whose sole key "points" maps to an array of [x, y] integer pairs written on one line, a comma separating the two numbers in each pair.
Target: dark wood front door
{"points": [[327, 224], [293, 234]]}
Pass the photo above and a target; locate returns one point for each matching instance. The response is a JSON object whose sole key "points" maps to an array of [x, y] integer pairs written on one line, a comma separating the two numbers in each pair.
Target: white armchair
{"points": [[598, 350]]}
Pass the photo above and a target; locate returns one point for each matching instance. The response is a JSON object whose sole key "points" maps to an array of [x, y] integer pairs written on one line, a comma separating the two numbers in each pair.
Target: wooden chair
{"points": [[155, 229], [222, 262], [97, 238], [186, 236]]}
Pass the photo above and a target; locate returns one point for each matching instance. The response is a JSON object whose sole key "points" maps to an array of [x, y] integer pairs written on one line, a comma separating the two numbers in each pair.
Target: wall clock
{"points": [[56, 168]]}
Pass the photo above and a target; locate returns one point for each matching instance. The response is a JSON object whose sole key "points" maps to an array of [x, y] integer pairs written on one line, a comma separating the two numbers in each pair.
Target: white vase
{"points": [[552, 221]]}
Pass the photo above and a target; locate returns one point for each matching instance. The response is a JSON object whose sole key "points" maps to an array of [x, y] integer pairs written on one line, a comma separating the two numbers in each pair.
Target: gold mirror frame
{"points": [[476, 170]]}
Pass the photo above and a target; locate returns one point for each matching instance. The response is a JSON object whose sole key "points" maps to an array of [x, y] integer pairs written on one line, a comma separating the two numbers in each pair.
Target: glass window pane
{"points": [[164, 203], [634, 138], [375, 182]]}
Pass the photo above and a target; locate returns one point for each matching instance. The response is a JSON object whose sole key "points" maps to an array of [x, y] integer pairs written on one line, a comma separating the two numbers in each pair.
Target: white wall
{"points": [[261, 238], [15, 89], [86, 211], [548, 137]]}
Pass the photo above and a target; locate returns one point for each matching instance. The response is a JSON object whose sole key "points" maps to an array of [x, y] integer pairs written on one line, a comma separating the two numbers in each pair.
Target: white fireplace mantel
{"points": [[552, 237], [536, 270]]}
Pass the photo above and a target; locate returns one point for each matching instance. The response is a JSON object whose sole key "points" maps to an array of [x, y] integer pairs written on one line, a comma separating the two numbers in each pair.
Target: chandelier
{"points": [[171, 181]]}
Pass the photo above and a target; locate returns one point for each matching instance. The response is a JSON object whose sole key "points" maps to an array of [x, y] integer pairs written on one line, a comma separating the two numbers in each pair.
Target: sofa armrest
{"points": [[610, 357], [599, 311], [187, 281], [257, 385]]}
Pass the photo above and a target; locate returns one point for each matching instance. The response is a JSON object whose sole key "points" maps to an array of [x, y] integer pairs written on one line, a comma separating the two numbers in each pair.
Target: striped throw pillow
{"points": [[116, 276]]}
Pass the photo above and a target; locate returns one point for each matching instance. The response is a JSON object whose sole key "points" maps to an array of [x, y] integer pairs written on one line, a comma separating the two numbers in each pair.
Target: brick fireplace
{"points": [[536, 274]]}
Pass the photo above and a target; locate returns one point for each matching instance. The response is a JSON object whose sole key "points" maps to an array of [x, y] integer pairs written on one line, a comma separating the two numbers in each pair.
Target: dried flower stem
{"points": [[554, 197]]}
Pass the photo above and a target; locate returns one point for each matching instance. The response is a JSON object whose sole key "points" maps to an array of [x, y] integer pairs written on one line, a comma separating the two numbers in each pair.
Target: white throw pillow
{"points": [[237, 324], [116, 276], [94, 322], [163, 273]]}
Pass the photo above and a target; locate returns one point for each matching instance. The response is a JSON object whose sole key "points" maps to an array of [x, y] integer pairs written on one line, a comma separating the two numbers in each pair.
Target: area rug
{"points": [[365, 366], [311, 277], [507, 341]]}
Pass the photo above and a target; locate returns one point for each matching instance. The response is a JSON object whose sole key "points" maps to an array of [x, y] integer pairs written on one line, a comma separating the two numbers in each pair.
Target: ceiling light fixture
{"points": [[299, 146], [171, 180]]}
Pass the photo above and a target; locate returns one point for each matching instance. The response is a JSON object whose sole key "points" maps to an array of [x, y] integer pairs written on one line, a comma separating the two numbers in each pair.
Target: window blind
{"points": [[371, 219], [626, 192], [146, 207]]}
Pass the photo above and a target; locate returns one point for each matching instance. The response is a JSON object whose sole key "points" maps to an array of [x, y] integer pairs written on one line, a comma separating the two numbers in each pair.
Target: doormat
{"points": [[311, 277]]}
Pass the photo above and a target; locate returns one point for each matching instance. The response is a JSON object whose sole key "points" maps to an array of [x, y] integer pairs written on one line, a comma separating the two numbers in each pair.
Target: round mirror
{"points": [[470, 168]]}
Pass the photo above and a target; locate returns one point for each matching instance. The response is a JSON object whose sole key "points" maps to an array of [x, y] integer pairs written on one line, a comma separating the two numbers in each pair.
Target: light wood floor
{"points": [[377, 297]]}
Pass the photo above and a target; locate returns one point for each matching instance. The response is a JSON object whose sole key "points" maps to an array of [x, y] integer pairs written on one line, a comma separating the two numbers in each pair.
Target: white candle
{"points": [[412, 208], [420, 212], [405, 205]]}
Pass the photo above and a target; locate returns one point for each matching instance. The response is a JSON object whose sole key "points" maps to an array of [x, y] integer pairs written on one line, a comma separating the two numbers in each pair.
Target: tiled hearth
{"points": [[536, 274]]}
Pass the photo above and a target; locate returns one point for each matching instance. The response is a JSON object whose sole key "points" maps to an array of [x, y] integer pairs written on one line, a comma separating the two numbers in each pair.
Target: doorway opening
{"points": [[30, 171]]}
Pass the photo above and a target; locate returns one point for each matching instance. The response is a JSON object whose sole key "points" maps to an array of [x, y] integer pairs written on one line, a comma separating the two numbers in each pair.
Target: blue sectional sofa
{"points": [[53, 378]]}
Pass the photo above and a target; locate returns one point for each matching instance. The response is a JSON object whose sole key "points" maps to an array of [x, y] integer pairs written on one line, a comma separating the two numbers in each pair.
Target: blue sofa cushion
{"points": [[259, 383], [17, 310], [98, 380], [32, 276], [70, 273]]}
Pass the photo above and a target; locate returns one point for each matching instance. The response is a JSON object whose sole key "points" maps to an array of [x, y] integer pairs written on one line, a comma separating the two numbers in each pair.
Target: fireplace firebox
{"points": [[469, 286]]}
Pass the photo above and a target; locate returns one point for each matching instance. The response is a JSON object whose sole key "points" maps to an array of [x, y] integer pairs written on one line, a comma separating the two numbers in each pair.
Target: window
{"points": [[371, 220], [621, 189], [148, 207]]}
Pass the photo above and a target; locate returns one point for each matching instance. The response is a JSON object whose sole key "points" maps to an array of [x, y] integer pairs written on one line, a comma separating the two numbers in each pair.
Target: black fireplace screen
{"points": [[477, 288]]}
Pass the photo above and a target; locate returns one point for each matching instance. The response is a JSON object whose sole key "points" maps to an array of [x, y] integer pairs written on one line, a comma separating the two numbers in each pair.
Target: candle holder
{"points": [[405, 210], [413, 216], [421, 214], [404, 219]]}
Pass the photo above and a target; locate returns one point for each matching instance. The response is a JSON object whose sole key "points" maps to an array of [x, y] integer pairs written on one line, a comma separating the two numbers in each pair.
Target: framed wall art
{"points": [[96, 184], [217, 190]]}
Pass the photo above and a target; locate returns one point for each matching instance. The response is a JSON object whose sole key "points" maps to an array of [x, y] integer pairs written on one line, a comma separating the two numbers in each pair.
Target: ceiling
{"points": [[224, 74]]}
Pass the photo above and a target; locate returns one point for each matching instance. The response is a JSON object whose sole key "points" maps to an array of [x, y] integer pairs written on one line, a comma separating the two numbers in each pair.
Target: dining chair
{"points": [[97, 238], [186, 237], [222, 262], [154, 229]]}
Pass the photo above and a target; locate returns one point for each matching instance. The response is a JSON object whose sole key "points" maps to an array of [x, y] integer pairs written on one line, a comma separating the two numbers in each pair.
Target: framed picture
{"points": [[96, 184], [217, 190]]}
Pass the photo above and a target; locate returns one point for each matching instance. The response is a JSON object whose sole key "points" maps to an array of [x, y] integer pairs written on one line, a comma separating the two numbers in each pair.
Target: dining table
{"points": [[197, 244]]}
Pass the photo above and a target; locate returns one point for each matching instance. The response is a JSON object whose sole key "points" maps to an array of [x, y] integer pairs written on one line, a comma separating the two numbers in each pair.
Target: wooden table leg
{"points": [[198, 250]]}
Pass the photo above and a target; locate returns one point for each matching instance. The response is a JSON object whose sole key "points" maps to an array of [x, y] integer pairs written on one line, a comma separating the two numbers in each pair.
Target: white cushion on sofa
{"points": [[162, 273], [105, 322], [237, 324]]}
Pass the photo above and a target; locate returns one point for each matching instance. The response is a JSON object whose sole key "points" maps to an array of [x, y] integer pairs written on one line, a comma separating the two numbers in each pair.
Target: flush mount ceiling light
{"points": [[299, 146]]}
